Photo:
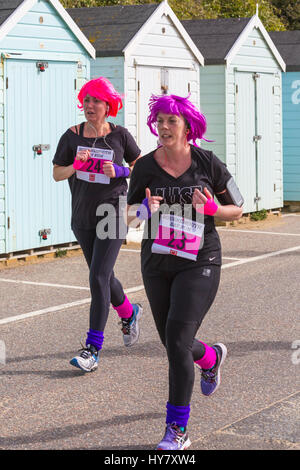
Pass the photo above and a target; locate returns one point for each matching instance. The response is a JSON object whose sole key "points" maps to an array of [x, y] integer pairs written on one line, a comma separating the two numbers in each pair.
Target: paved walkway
{"points": [[47, 404]]}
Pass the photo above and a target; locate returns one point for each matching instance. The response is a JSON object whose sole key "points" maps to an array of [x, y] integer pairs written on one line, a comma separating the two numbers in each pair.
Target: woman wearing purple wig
{"points": [[172, 189]]}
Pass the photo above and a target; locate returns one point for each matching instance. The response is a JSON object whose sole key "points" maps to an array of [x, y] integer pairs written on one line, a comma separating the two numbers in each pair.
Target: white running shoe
{"points": [[130, 326], [87, 360]]}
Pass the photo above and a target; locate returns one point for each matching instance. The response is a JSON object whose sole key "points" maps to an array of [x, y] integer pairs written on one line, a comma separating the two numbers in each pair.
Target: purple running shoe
{"points": [[211, 378], [174, 439]]}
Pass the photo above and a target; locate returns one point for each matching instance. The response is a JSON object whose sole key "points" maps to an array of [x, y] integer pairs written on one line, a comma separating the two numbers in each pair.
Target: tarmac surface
{"points": [[45, 403]]}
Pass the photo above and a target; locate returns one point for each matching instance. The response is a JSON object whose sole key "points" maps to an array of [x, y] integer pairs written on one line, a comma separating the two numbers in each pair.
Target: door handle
{"points": [[38, 149]]}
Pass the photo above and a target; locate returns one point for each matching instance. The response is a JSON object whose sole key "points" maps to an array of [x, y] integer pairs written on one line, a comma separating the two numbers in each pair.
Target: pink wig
{"points": [[172, 104], [102, 89]]}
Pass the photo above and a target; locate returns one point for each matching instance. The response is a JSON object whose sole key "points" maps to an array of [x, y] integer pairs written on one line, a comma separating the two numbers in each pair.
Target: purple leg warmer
{"points": [[95, 338], [178, 414]]}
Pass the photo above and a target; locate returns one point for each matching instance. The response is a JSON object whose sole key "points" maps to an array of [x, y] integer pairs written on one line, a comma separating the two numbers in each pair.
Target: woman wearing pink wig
{"points": [[90, 156], [173, 187]]}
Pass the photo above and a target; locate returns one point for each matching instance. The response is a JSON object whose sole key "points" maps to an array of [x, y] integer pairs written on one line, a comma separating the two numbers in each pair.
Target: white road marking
{"points": [[260, 232], [43, 311], [260, 257], [47, 284], [131, 250], [63, 286], [134, 289], [290, 215], [58, 307]]}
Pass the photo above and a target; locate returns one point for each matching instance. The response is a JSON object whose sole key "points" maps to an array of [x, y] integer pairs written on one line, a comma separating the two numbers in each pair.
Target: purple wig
{"points": [[102, 89], [172, 104]]}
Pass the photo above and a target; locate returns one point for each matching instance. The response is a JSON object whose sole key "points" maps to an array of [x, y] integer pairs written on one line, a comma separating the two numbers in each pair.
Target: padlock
{"points": [[39, 148], [42, 66], [44, 233]]}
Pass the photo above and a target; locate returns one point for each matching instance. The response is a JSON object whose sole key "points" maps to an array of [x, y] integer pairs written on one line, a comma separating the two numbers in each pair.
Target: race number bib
{"points": [[179, 237], [92, 170]]}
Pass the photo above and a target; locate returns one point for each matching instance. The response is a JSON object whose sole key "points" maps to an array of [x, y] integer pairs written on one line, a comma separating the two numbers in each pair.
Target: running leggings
{"points": [[179, 302], [105, 288]]}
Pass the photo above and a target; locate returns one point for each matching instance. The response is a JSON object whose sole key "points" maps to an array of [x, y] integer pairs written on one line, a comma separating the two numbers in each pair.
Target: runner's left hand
{"points": [[108, 169], [200, 198]]}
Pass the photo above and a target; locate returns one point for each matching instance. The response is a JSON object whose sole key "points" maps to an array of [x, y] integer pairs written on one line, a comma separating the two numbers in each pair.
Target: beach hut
{"points": [[240, 95], [142, 49], [45, 59], [288, 44]]}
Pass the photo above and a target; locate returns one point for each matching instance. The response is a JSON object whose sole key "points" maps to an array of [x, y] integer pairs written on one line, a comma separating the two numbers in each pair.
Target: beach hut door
{"points": [[157, 81], [265, 145], [148, 82], [40, 106], [255, 138]]}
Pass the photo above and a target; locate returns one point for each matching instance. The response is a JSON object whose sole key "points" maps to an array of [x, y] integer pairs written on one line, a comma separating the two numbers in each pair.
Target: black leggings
{"points": [[179, 302], [105, 288]]}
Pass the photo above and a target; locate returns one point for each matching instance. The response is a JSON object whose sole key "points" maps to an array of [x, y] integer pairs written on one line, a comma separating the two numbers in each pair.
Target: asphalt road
{"points": [[45, 403]]}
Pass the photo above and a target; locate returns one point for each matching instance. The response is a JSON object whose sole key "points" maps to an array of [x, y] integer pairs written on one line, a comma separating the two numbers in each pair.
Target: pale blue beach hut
{"points": [[241, 96], [45, 58], [288, 44]]}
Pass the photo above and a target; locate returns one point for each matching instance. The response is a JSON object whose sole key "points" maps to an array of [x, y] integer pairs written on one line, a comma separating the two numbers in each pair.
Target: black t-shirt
{"points": [[86, 197], [206, 170]]}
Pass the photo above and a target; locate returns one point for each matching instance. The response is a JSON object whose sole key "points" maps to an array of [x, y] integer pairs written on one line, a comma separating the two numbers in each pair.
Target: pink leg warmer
{"points": [[209, 358], [125, 309]]}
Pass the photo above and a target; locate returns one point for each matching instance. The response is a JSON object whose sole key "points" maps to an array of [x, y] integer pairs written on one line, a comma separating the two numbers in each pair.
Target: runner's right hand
{"points": [[153, 201], [83, 155]]}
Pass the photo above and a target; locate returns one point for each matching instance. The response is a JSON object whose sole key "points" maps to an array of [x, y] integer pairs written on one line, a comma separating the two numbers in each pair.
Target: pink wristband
{"points": [[209, 208], [77, 164]]}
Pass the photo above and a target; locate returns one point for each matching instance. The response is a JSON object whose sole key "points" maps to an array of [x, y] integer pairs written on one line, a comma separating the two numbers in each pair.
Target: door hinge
{"points": [[256, 138], [255, 76], [256, 199], [75, 83], [164, 81], [6, 82], [236, 88], [8, 223], [138, 85]]}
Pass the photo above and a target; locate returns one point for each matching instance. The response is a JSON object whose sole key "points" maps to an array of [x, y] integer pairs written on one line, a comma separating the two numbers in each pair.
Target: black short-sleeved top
{"points": [[206, 170], [86, 197]]}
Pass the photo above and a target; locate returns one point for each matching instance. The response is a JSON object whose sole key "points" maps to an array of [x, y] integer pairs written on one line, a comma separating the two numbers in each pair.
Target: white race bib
{"points": [[92, 170], [178, 236]]}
